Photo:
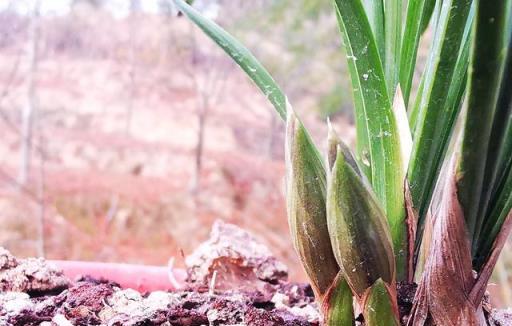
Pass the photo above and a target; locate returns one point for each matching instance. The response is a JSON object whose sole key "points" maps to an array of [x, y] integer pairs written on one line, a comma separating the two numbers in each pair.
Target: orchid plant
{"points": [[426, 197]]}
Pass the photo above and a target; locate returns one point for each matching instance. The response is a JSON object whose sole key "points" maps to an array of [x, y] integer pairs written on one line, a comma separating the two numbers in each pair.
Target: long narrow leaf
{"points": [[417, 11], [375, 123], [502, 127], [485, 270], [458, 84], [499, 153], [393, 39], [414, 111], [246, 60], [501, 208], [436, 115], [504, 158], [241, 55], [428, 11], [487, 65], [375, 12]]}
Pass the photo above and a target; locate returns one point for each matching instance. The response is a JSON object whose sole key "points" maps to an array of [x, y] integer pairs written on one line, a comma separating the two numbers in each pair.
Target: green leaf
{"points": [[436, 112], [500, 149], [241, 55], [380, 307], [457, 86], [499, 153], [414, 112], [357, 227], [305, 199], [246, 60], [375, 12], [428, 11], [418, 12], [487, 63], [337, 306], [501, 207], [378, 144], [393, 43]]}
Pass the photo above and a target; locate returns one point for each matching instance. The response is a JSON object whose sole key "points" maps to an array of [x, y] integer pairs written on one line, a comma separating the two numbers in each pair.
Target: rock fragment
{"points": [[236, 259], [32, 275]]}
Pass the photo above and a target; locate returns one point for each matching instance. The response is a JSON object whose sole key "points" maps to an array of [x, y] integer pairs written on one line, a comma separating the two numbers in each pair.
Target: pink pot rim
{"points": [[143, 278]]}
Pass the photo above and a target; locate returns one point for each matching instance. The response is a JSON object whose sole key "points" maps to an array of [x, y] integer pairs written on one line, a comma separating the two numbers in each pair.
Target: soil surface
{"points": [[35, 293], [232, 280]]}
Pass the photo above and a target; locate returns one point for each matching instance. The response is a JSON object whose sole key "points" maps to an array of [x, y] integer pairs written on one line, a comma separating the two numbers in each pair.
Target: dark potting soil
{"points": [[232, 280], [94, 303]]}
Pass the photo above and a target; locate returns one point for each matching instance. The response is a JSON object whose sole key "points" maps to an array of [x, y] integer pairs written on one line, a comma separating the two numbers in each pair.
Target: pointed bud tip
{"points": [[331, 132], [291, 116], [333, 144], [403, 128], [398, 93]]}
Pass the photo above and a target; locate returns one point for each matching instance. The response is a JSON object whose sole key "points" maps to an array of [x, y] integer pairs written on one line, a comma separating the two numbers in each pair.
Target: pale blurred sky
{"points": [[119, 8]]}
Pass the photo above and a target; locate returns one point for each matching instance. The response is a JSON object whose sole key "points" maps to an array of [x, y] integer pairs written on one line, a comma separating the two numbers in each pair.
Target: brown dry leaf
{"points": [[426, 241], [444, 293], [478, 291], [412, 221]]}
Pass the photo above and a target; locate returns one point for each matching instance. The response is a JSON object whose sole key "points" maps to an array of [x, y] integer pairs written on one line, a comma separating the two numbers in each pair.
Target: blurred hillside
{"points": [[141, 132], [119, 106]]}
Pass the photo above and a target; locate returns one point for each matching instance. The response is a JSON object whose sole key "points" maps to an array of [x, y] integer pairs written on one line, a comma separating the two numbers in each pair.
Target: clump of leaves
{"points": [[402, 209]]}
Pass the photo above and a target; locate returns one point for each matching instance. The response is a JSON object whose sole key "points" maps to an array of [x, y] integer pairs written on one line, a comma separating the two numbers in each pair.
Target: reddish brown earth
{"points": [[113, 195], [232, 280], [98, 303]]}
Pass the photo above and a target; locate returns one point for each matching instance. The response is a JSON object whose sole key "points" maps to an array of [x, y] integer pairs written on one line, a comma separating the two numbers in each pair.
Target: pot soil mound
{"points": [[232, 280]]}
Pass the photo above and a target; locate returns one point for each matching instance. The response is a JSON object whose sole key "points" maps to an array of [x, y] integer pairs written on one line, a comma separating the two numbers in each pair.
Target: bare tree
{"points": [[208, 75], [31, 104], [134, 10], [41, 248]]}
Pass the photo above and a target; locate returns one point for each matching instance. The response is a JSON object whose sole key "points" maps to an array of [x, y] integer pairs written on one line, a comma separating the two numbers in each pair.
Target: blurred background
{"points": [[124, 132]]}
